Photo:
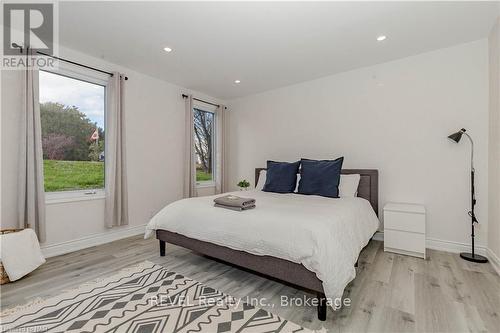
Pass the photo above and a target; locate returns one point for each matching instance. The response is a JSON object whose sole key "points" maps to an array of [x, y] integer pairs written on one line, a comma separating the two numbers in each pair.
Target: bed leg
{"points": [[321, 307], [162, 248]]}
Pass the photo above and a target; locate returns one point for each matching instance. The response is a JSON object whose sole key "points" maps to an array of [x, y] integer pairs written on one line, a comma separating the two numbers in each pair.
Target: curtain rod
{"points": [[200, 100], [78, 64], [68, 61]]}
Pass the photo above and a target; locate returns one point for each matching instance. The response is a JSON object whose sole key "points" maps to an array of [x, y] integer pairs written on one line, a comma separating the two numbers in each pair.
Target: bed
{"points": [[308, 241]]}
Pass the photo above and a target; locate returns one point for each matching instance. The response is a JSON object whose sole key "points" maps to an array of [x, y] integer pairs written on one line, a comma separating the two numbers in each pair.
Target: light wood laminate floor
{"points": [[391, 293]]}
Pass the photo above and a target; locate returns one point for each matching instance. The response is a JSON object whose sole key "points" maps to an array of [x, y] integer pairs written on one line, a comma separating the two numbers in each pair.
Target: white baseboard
{"points": [[113, 235], [495, 261], [379, 236], [454, 247], [92, 240], [442, 245]]}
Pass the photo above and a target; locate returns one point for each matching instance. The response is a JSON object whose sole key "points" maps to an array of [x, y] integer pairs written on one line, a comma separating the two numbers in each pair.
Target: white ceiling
{"points": [[266, 45]]}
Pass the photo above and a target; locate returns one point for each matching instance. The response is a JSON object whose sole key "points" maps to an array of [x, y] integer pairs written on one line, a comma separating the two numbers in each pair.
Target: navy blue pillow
{"points": [[320, 177], [281, 177]]}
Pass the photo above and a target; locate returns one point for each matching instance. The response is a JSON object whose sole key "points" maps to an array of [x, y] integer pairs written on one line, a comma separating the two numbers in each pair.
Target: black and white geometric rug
{"points": [[144, 298]]}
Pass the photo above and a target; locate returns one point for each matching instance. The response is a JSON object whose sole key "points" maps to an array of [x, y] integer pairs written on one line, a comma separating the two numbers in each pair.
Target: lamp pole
{"points": [[465, 255]]}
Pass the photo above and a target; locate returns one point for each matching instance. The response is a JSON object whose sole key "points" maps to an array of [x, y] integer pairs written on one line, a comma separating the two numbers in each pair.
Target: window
{"points": [[73, 135], [204, 132]]}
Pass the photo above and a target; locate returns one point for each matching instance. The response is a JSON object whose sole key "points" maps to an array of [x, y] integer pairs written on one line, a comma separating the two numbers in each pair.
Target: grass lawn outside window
{"points": [[72, 175], [202, 176]]}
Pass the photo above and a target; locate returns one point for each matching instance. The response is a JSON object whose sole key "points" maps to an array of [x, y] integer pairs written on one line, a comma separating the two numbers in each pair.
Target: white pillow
{"points": [[348, 187], [262, 180], [298, 181]]}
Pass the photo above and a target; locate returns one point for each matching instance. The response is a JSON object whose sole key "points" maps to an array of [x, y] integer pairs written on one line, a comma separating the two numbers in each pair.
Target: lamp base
{"points": [[474, 258]]}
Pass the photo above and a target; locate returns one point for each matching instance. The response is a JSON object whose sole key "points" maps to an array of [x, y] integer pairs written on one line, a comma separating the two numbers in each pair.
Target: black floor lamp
{"points": [[470, 256]]}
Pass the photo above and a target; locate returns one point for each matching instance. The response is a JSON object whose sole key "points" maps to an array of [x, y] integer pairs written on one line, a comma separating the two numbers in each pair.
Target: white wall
{"points": [[155, 139], [401, 112], [393, 117], [494, 144]]}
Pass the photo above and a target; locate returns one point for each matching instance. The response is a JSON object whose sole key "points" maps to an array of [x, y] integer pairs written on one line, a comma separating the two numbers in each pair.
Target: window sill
{"points": [[205, 185], [52, 198]]}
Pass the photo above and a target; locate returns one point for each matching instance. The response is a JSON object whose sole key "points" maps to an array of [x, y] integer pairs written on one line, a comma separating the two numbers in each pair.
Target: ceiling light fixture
{"points": [[167, 49], [237, 81], [381, 38]]}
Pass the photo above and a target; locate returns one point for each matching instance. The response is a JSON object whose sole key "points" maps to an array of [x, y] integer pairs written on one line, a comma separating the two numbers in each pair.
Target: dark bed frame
{"points": [[284, 270]]}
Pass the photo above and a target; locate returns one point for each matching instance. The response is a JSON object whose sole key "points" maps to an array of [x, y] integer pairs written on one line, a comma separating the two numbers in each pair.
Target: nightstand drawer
{"points": [[406, 241], [404, 221]]}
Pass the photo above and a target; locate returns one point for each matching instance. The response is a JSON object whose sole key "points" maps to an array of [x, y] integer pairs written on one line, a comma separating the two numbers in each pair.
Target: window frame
{"points": [[213, 110], [93, 77]]}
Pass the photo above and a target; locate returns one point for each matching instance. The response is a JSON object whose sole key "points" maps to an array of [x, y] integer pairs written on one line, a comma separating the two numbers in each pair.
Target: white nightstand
{"points": [[404, 229]]}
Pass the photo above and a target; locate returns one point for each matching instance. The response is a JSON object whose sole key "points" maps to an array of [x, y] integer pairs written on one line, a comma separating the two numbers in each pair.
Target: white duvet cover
{"points": [[325, 235]]}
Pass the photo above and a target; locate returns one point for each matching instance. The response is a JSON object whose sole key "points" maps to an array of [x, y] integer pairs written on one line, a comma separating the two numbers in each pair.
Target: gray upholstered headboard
{"points": [[368, 184]]}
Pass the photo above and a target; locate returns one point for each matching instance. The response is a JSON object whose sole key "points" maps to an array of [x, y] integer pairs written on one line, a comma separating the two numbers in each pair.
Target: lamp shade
{"points": [[457, 135]]}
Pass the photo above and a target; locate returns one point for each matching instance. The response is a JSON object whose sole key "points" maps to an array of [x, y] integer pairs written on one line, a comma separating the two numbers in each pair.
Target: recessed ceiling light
{"points": [[237, 81], [381, 38], [167, 49]]}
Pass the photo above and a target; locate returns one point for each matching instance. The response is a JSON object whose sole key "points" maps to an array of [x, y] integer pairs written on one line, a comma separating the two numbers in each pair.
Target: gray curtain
{"points": [[189, 165], [116, 202], [31, 195], [221, 184]]}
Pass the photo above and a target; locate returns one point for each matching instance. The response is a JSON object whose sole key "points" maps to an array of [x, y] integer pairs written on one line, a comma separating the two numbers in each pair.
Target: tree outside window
{"points": [[203, 144]]}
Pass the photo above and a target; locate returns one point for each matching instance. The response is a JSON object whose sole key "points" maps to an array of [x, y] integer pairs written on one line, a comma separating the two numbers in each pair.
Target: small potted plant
{"points": [[244, 185]]}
